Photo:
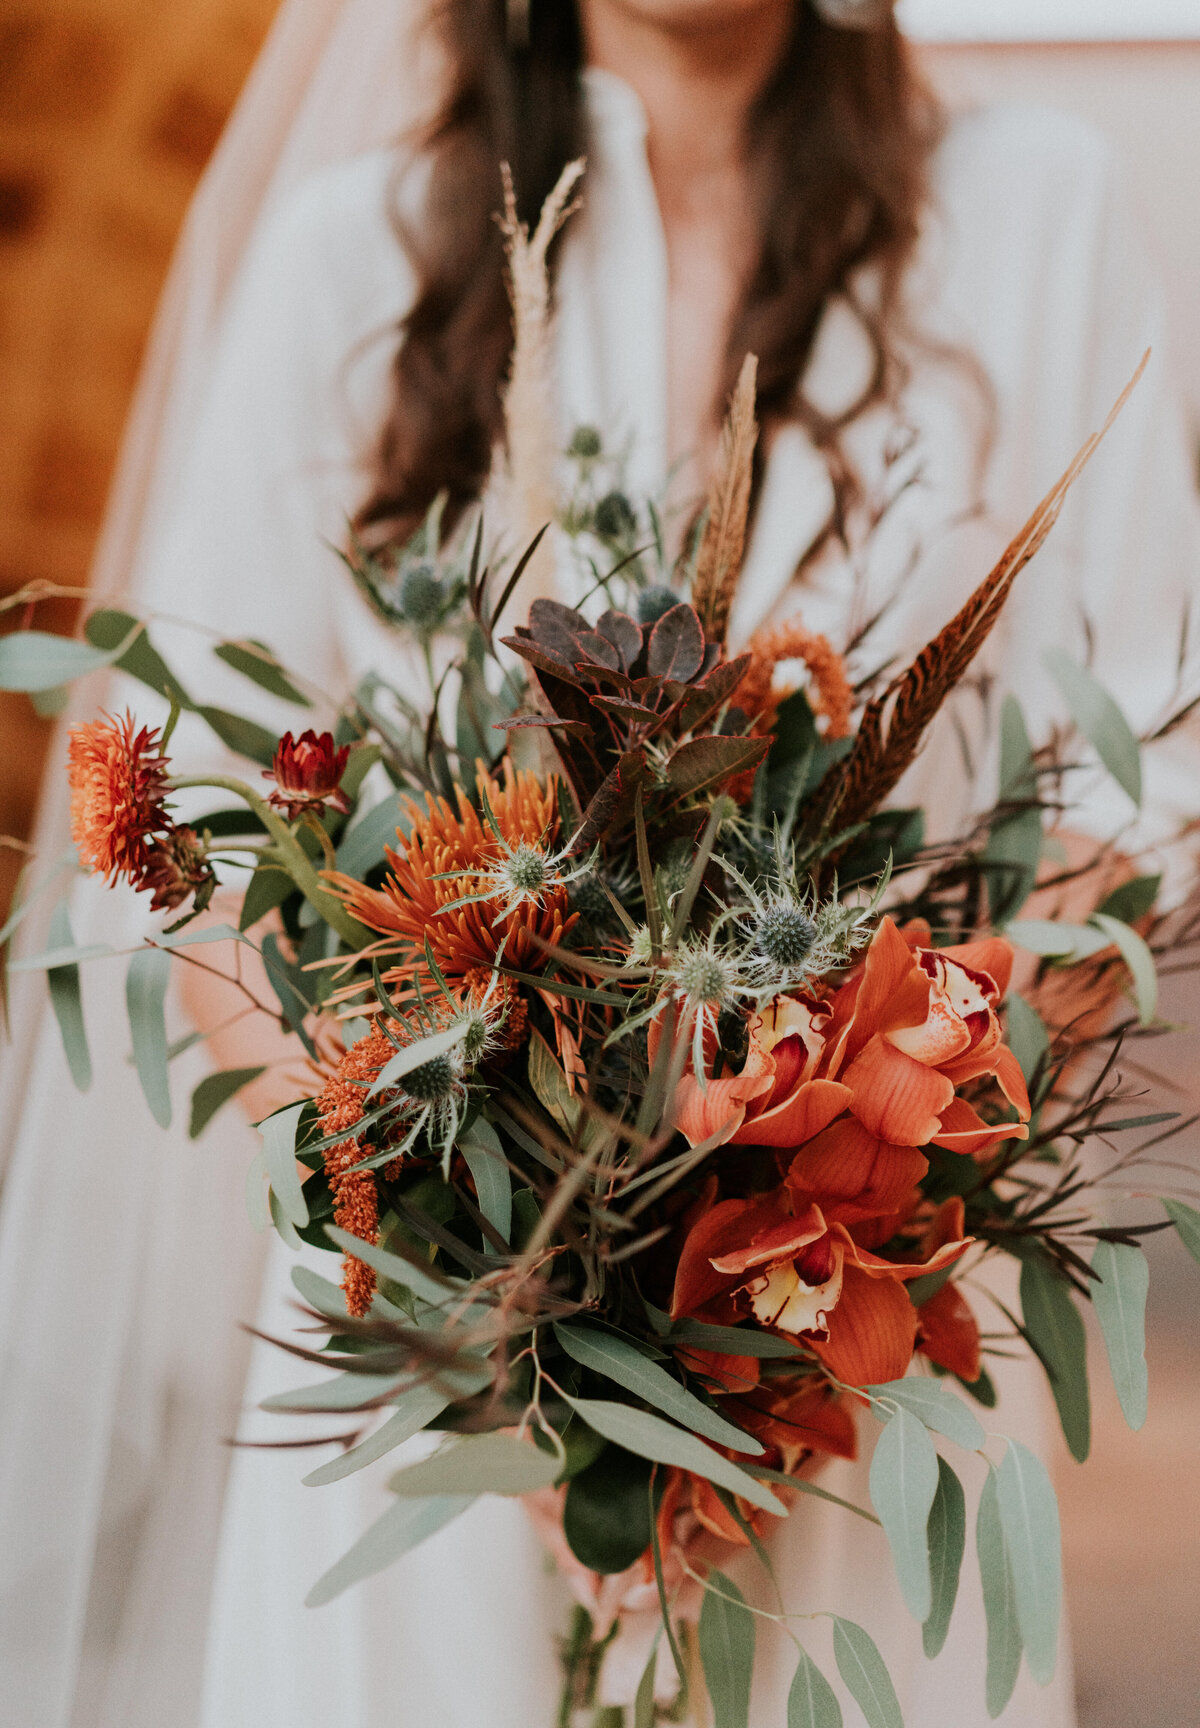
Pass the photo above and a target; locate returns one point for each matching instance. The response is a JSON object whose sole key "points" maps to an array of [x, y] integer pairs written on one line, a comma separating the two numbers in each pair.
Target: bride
{"points": [[941, 313]]}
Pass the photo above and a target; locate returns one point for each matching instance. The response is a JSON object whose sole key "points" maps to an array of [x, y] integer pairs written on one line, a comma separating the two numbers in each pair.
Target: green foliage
{"points": [[215, 1091], [1029, 1516], [662, 1443], [279, 1155], [109, 628], [480, 1146], [255, 661], [66, 998], [812, 1702], [1028, 1038], [1099, 719], [627, 1365], [904, 1481], [934, 1405], [865, 1673], [1055, 1330], [35, 660], [478, 1464], [999, 1600], [1186, 1220], [1119, 1299], [1132, 900], [402, 1527], [606, 1515], [727, 1651], [947, 1537], [145, 998]]}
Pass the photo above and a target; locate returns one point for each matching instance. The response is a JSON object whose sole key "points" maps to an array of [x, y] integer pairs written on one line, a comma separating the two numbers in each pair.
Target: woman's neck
{"points": [[698, 68]]}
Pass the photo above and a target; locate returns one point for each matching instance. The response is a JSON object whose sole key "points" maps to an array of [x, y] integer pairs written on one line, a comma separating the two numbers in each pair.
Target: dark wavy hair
{"points": [[838, 150]]}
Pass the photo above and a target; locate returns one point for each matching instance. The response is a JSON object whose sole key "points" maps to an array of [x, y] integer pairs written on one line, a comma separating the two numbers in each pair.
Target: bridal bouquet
{"points": [[667, 1092]]}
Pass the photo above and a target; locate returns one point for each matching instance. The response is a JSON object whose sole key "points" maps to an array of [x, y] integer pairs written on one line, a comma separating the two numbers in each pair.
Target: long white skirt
{"points": [[461, 1632]]}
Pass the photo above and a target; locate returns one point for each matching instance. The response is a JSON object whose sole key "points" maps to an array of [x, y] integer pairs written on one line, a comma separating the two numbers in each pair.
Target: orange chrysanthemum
{"points": [[831, 694], [118, 781], [442, 854]]}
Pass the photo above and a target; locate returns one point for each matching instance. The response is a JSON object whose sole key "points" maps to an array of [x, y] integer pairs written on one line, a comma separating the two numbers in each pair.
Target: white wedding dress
{"points": [[148, 1588]]}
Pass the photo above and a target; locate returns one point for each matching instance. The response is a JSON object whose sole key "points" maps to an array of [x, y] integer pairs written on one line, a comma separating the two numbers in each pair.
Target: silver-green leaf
{"points": [[727, 1651], [145, 998], [650, 1437], [1139, 959], [279, 1153], [214, 1092], [904, 1480], [481, 1148], [865, 1673], [1120, 1303], [999, 1601], [812, 1702], [1055, 1328], [479, 1464], [622, 1362], [1099, 719], [401, 1528], [934, 1405], [1186, 1220], [947, 1536], [66, 998], [1029, 1514]]}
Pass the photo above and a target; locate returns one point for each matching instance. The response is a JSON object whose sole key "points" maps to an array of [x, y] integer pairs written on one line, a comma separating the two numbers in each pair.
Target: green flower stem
{"points": [[292, 855]]}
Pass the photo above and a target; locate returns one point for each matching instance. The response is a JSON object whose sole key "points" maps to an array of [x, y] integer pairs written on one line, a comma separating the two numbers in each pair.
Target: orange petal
{"points": [[1012, 1080], [892, 992], [948, 1224], [809, 1110], [710, 1512], [871, 1331], [963, 1129], [715, 1113], [736, 1374], [853, 1174], [993, 955], [949, 1334], [729, 1225], [774, 1239], [876, 1267], [896, 1097]]}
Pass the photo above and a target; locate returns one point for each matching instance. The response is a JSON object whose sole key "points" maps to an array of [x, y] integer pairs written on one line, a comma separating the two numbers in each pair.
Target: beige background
{"points": [[108, 110]]}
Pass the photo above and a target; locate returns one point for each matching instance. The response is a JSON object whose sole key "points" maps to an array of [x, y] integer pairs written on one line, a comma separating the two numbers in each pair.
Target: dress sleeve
{"points": [[1117, 579]]}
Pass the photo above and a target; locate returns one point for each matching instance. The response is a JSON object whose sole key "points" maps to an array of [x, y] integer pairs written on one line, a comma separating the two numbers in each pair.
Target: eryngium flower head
{"points": [[652, 602], [784, 935], [118, 780], [422, 597], [307, 772]]}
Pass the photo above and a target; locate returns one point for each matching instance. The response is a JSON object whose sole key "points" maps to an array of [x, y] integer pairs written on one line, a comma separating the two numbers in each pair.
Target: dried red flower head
{"points": [[118, 780], [177, 867], [307, 771]]}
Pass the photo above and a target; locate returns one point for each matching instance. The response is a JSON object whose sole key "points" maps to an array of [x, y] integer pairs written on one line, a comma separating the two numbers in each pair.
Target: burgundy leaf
{"points": [[613, 799], [717, 687], [676, 645], [520, 722], [537, 656], [704, 761], [624, 634], [597, 650], [556, 629], [622, 709]]}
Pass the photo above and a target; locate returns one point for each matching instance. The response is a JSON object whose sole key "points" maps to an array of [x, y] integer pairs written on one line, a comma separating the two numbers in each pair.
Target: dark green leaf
{"points": [[1099, 719], [1056, 1331], [606, 1514], [481, 1148], [621, 1361], [643, 1704], [66, 998], [254, 660], [947, 1541], [267, 889], [811, 1700], [401, 1528], [362, 848], [145, 997], [865, 1673], [108, 628], [244, 737], [1133, 899], [727, 1651], [999, 1601], [730, 1340], [1029, 1514], [904, 1481], [214, 1091], [676, 646], [1120, 1303], [1027, 1036]]}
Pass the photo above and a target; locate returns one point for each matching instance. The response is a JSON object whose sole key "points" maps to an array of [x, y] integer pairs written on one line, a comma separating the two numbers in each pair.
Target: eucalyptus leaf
{"points": [[947, 1536], [254, 660], [727, 1651], [1054, 941], [1139, 959], [1132, 899], [66, 998], [485, 1159], [478, 1464], [999, 1601], [145, 999], [214, 1092], [812, 1702], [650, 1437], [429, 1285], [865, 1673], [362, 844], [1186, 1220], [338, 1392], [279, 1154], [1029, 1514], [109, 628], [730, 1340], [268, 888], [401, 1528], [904, 1481], [936, 1406], [550, 1085], [33, 660], [643, 1703], [1120, 1303], [1056, 1331], [622, 1362], [244, 737], [1028, 1038], [62, 954], [1099, 719]]}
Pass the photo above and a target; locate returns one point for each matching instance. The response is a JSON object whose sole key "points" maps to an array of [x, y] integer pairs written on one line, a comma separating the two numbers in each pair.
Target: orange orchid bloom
{"points": [[891, 1047], [804, 1273]]}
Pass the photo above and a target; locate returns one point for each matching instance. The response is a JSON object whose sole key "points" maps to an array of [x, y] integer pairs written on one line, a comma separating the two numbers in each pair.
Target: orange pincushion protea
{"points": [[442, 854], [118, 781], [831, 693]]}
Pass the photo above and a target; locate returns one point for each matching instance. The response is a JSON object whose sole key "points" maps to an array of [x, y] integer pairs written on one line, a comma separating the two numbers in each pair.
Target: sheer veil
{"points": [[112, 1382]]}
